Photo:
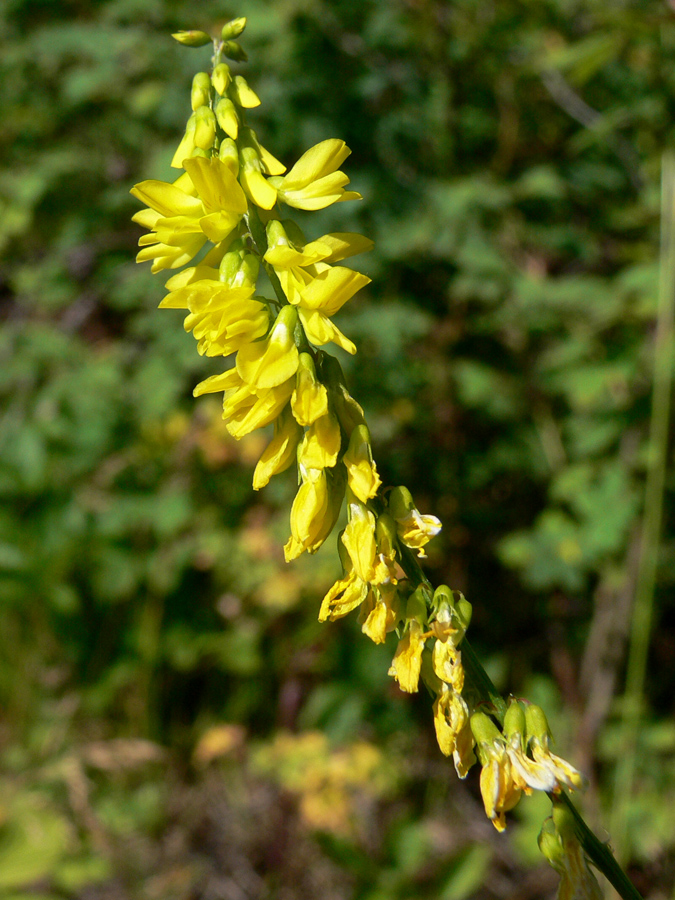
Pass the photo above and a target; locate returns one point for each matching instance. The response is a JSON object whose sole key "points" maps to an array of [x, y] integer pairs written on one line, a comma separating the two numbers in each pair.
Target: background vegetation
{"points": [[175, 723]]}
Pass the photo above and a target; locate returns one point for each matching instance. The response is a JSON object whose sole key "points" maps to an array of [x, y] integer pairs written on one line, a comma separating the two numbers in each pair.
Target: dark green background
{"points": [[509, 157]]}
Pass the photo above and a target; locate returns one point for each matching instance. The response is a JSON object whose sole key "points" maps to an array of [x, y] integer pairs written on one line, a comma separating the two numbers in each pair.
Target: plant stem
{"points": [[632, 708]]}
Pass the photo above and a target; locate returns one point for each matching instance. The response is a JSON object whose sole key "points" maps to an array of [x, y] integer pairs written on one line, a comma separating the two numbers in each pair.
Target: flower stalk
{"points": [[224, 218]]}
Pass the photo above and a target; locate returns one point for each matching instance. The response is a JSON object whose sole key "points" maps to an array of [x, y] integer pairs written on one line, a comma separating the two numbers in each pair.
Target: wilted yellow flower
{"points": [[451, 716], [498, 788], [414, 529], [383, 613], [538, 737], [407, 662], [345, 595], [447, 663], [314, 182]]}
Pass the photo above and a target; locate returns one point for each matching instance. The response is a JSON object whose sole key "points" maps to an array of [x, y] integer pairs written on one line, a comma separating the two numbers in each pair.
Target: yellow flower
{"points": [[315, 510], [321, 444], [345, 595], [407, 662], [383, 614], [538, 738], [499, 789], [359, 539], [362, 476], [309, 282], [314, 182], [451, 716], [246, 408], [463, 755], [280, 453], [172, 215], [269, 363], [414, 529], [309, 400], [447, 663], [206, 202]]}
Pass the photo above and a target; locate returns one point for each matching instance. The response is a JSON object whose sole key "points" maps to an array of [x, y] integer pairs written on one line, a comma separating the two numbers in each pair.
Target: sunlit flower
{"points": [[314, 182], [407, 662]]}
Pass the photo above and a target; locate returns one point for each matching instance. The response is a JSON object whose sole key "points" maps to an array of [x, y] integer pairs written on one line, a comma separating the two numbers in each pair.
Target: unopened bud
{"points": [[201, 90], [221, 78], [192, 38], [230, 264], [233, 28], [229, 154], [536, 724], [514, 719], [416, 607], [233, 50], [226, 113], [205, 128], [243, 94], [484, 729]]}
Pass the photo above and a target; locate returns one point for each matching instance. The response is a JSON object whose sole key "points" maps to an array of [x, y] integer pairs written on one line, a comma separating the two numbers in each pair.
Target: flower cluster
{"points": [[221, 223]]}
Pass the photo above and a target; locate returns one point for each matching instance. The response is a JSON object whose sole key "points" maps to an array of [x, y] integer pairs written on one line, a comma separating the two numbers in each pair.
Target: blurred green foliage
{"points": [[508, 153]]}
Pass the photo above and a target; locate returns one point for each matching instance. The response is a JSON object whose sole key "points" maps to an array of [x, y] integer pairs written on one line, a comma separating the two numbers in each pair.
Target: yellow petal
{"points": [[318, 161], [309, 400], [359, 540], [407, 662], [320, 330], [321, 444], [332, 288], [273, 361], [279, 453], [216, 185], [344, 596]]}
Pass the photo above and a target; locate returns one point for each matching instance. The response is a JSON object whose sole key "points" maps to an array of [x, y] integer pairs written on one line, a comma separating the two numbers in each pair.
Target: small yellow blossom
{"points": [[362, 476], [321, 444], [314, 182], [344, 596], [383, 614], [407, 662], [414, 529], [451, 716], [271, 362], [359, 539], [447, 663], [309, 508], [309, 400], [247, 408]]}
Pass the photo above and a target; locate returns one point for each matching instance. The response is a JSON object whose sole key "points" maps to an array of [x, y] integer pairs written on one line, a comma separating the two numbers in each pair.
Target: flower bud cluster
{"points": [[518, 760]]}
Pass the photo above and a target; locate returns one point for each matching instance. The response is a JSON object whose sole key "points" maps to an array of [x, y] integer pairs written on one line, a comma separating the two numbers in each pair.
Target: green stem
{"points": [[600, 854], [632, 708]]}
